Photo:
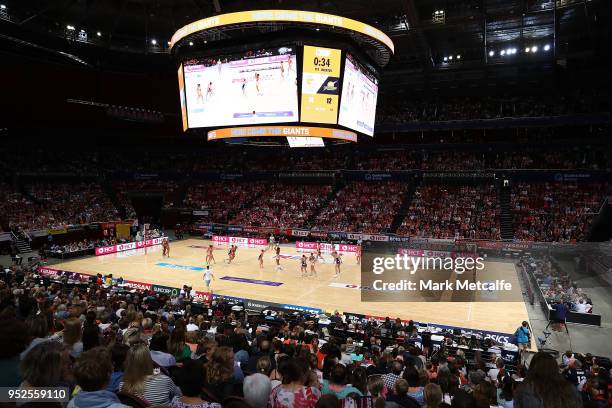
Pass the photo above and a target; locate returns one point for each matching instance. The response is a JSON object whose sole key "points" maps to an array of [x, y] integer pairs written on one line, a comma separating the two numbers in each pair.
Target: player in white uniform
{"points": [[208, 277], [312, 260], [271, 242]]}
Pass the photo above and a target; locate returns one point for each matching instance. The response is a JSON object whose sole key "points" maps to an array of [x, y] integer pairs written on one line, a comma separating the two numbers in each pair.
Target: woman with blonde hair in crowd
{"points": [[141, 379]]}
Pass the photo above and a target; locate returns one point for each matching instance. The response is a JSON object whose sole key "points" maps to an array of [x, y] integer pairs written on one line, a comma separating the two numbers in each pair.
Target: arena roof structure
{"points": [[430, 36]]}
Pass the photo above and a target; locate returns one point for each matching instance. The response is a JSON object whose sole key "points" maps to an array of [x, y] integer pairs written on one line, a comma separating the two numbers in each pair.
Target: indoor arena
{"points": [[305, 204]]}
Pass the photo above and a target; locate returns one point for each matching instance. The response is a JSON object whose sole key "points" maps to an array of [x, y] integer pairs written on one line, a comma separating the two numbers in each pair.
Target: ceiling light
{"points": [[491, 53], [69, 27], [503, 52], [527, 49], [445, 59], [547, 47], [450, 58], [2, 7], [99, 34], [534, 48], [154, 41], [191, 43], [458, 56]]}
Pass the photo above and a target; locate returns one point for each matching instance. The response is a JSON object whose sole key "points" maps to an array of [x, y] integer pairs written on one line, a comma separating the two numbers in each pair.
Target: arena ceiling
{"points": [[441, 40]]}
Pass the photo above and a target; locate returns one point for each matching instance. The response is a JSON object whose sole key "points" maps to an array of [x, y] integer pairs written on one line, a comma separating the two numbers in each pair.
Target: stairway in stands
{"points": [[505, 219], [113, 196], [21, 243], [403, 210]]}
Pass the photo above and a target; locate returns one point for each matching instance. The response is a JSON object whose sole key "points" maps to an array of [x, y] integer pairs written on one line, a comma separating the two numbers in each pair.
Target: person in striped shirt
{"points": [[143, 380]]}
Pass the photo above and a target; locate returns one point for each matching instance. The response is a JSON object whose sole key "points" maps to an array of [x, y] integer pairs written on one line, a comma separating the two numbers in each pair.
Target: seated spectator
{"points": [[294, 391], [118, 355], [337, 384], [159, 348], [401, 397], [220, 382], [256, 390], [13, 340], [545, 387], [396, 370], [432, 396], [190, 380], [93, 372], [72, 336], [177, 345], [140, 378], [415, 389], [46, 365], [38, 329]]}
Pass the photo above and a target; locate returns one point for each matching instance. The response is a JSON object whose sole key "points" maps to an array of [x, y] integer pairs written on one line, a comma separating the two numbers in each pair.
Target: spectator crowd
{"points": [[453, 211], [116, 348], [368, 207]]}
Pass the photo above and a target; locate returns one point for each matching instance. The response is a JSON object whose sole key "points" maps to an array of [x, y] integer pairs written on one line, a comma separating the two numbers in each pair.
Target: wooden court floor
{"points": [[316, 291]]}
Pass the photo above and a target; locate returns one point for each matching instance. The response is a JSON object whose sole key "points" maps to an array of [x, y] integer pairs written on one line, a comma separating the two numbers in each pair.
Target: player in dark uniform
{"points": [[337, 262], [303, 265]]}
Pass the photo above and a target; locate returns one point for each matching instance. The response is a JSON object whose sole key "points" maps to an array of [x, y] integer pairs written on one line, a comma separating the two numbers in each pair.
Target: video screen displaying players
{"points": [[359, 93], [256, 87]]}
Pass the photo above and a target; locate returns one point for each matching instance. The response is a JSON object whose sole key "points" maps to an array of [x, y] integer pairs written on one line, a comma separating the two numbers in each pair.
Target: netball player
{"points": [[208, 277], [289, 64], [210, 257], [233, 253], [199, 96], [312, 260], [271, 242], [277, 257], [358, 255], [230, 251], [257, 87], [319, 253], [337, 262], [209, 90], [166, 248], [303, 265], [260, 259]]}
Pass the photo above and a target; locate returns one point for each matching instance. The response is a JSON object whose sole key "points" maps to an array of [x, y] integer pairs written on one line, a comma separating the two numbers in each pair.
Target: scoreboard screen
{"points": [[320, 84], [258, 86], [359, 94], [181, 82], [261, 87]]}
